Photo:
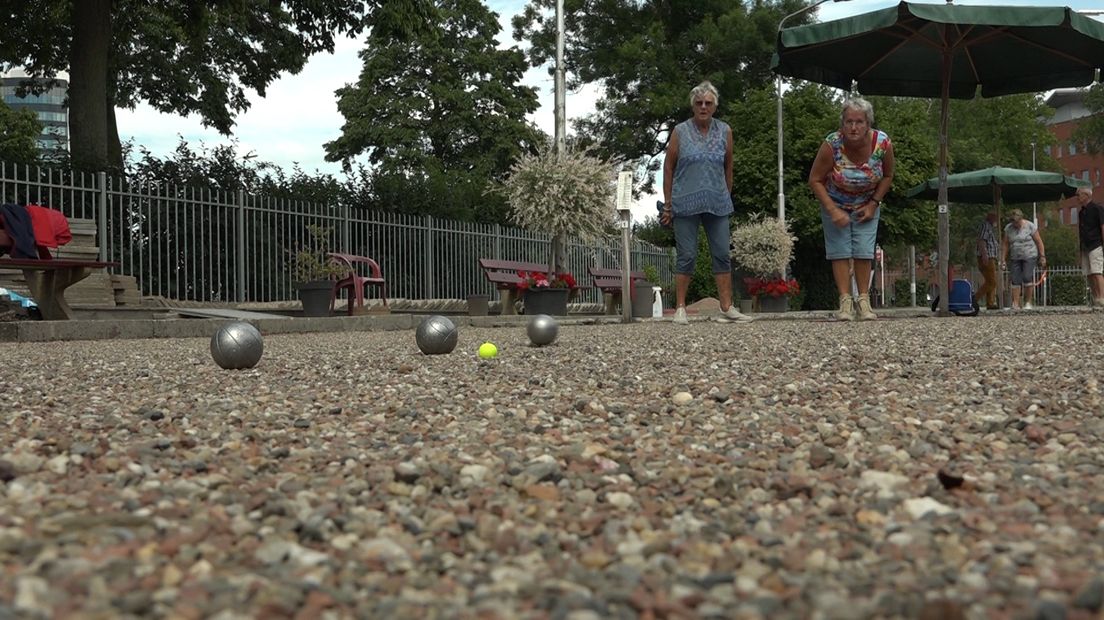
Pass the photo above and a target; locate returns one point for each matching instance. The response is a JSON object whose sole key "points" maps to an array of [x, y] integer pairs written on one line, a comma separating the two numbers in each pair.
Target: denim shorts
{"points": [[1023, 271], [686, 242], [852, 241]]}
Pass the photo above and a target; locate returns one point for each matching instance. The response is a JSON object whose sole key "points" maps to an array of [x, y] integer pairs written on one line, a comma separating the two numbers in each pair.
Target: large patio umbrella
{"points": [[999, 185], [946, 50]]}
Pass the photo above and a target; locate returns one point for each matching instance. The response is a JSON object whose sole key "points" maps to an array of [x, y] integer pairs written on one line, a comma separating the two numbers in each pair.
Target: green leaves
{"points": [[19, 130], [445, 98], [648, 54]]}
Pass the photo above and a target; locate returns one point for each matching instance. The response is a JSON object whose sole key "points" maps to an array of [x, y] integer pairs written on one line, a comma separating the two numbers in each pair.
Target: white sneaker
{"points": [[846, 310], [1028, 306], [732, 315], [865, 312], [680, 317]]}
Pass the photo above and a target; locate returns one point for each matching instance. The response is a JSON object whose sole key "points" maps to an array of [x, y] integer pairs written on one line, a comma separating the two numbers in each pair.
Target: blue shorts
{"points": [[686, 242], [1023, 271], [852, 241]]}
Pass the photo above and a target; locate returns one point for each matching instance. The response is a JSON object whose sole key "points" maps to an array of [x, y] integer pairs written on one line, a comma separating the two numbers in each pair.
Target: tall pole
{"points": [[781, 182], [561, 99], [781, 189], [1034, 205], [943, 207], [559, 258]]}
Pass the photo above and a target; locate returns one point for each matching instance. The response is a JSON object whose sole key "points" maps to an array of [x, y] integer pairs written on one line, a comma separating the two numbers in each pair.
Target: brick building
{"points": [[1076, 161]]}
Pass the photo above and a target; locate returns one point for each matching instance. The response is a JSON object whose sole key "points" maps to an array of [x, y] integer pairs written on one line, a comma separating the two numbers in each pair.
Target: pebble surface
{"points": [[906, 468]]}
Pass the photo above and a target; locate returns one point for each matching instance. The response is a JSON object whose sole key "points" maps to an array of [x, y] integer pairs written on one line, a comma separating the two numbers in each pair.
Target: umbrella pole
{"points": [[944, 210], [997, 200]]}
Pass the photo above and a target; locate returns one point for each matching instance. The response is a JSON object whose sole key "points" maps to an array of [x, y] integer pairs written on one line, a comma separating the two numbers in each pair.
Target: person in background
{"points": [[697, 191], [987, 261], [1090, 231], [1025, 247], [851, 175]]}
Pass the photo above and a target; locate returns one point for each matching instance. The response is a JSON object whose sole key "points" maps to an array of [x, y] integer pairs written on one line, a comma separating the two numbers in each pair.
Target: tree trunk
{"points": [[114, 146], [88, 57]]}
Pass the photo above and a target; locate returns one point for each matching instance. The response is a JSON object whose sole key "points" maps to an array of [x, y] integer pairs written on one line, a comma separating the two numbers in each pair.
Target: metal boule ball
{"points": [[436, 335], [237, 345], [542, 330]]}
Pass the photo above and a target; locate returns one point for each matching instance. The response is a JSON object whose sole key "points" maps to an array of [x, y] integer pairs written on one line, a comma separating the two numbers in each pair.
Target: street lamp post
{"points": [[781, 181], [559, 256]]}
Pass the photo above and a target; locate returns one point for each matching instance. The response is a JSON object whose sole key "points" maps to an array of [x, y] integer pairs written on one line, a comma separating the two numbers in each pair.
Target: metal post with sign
{"points": [[624, 203]]}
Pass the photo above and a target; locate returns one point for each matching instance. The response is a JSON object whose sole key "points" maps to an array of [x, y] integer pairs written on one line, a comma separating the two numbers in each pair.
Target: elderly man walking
{"points": [[1090, 229], [987, 261]]}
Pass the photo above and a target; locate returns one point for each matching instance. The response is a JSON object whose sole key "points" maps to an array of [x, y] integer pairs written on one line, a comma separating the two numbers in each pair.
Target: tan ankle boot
{"points": [[846, 310], [865, 312]]}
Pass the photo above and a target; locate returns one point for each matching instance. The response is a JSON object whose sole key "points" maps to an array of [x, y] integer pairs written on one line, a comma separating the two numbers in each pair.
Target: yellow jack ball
{"points": [[488, 351]]}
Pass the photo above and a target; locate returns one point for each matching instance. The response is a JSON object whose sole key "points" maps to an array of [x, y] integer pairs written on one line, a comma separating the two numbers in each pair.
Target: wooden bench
{"points": [[504, 275], [355, 282], [609, 281], [48, 279]]}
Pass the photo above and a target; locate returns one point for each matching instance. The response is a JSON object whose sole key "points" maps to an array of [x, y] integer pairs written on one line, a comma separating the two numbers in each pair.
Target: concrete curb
{"points": [[127, 329]]}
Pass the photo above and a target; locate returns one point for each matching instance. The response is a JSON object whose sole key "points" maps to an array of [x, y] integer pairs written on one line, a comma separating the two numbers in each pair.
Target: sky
{"points": [[298, 113]]}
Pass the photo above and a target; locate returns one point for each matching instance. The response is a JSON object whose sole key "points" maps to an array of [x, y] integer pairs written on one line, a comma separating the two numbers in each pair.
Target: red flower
{"points": [[776, 287], [537, 279]]}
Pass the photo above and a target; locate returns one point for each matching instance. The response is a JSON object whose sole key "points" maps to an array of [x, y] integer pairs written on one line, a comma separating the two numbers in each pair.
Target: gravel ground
{"points": [[914, 468]]}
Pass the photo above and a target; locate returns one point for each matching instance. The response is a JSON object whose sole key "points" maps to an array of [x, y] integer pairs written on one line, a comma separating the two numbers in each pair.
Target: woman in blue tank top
{"points": [[697, 191]]}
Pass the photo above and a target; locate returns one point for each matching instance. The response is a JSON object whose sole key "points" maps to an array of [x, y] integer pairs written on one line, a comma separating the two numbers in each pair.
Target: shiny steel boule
{"points": [[542, 330], [436, 335], [237, 345]]}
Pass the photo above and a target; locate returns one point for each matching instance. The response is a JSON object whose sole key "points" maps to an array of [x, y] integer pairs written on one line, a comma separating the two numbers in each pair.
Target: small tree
{"points": [[762, 246], [572, 194]]}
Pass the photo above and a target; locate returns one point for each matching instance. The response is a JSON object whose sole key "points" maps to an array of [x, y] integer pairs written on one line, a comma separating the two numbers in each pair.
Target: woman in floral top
{"points": [[851, 175]]}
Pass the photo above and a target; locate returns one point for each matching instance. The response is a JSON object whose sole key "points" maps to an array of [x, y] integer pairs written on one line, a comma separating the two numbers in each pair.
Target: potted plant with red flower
{"points": [[563, 194], [763, 247], [546, 295]]}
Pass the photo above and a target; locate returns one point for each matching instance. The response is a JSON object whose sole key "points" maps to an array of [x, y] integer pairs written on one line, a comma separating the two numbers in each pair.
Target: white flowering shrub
{"points": [[762, 246], [573, 194]]}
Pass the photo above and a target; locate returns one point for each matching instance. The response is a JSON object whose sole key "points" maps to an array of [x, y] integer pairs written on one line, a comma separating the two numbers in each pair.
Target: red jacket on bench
{"points": [[48, 228]]}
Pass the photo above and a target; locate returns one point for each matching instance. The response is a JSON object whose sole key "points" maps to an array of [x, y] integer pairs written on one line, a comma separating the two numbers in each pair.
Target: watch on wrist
{"points": [[876, 201]]}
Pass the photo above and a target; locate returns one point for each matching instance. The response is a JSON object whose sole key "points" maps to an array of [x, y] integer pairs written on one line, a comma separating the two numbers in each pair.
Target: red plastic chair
{"points": [[355, 282]]}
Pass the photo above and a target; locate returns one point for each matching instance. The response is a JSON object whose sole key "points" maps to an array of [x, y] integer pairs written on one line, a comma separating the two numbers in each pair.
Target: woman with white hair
{"points": [[697, 191], [851, 175], [1023, 243]]}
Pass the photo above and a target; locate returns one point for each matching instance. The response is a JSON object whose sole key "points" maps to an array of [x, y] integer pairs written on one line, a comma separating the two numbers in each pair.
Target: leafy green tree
{"points": [[1063, 247], [18, 132], [996, 132], [440, 114], [449, 95], [647, 54], [180, 57]]}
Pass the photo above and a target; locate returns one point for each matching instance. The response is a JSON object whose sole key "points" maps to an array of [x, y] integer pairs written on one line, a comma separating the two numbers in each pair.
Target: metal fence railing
{"points": [[198, 244], [1063, 286]]}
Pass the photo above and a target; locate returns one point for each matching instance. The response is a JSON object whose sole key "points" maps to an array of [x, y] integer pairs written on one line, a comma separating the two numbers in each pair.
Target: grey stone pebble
{"points": [[797, 478]]}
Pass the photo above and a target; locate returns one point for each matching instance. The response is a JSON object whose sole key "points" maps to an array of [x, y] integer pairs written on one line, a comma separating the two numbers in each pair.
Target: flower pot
{"points": [[550, 301], [478, 305], [747, 306], [315, 296], [643, 299], [769, 303]]}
